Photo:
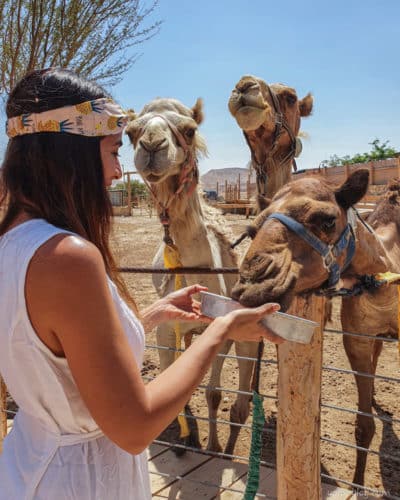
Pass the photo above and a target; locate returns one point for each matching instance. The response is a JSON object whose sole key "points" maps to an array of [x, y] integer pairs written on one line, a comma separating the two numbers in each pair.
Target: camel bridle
{"points": [[188, 177], [328, 252], [281, 125]]}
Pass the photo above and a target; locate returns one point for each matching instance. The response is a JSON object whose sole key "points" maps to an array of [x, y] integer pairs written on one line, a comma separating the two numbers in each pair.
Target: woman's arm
{"points": [[70, 305], [176, 306]]}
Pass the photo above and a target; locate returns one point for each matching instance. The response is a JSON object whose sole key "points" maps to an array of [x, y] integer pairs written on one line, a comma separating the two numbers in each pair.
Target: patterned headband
{"points": [[91, 118]]}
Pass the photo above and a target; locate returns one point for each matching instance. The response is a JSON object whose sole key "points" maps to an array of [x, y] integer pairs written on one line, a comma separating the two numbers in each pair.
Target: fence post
{"points": [[398, 167], [3, 414], [129, 195], [371, 168], [299, 393]]}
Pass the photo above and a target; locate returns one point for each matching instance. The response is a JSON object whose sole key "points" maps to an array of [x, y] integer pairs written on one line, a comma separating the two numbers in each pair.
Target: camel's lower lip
{"points": [[255, 294], [153, 177], [249, 109]]}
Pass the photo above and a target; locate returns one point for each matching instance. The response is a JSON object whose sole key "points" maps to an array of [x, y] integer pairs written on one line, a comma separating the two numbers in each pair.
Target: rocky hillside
{"points": [[209, 180]]}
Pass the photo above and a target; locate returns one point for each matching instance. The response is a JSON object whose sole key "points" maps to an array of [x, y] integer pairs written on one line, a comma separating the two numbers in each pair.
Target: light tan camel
{"points": [[279, 264], [269, 116], [167, 144]]}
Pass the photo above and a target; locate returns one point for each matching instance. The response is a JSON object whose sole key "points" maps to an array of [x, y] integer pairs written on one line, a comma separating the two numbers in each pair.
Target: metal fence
{"points": [[389, 420], [391, 460]]}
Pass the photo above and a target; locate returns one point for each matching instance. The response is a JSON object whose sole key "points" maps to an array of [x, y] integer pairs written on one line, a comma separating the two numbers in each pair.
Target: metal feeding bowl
{"points": [[285, 325]]}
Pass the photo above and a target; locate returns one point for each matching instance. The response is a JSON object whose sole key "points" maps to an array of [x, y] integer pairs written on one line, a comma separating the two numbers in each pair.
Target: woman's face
{"points": [[109, 147]]}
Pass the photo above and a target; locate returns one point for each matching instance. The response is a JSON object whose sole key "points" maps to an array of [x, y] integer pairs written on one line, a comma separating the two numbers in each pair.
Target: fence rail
{"points": [[308, 389], [380, 172]]}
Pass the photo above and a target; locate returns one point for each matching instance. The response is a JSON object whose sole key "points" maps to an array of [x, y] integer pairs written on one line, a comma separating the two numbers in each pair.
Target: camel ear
{"points": [[131, 114], [306, 105], [129, 129], [128, 132], [197, 111], [353, 189], [262, 202]]}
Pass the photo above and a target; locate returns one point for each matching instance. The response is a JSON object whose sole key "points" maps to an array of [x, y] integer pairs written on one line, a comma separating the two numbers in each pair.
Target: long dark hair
{"points": [[57, 176]]}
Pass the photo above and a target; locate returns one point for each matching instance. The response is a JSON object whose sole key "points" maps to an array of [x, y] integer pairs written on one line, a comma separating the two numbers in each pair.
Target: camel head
{"points": [[251, 104], [280, 264], [269, 116], [165, 137]]}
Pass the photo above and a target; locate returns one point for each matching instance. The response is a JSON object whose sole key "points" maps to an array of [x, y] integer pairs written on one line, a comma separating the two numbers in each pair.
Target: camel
{"points": [[269, 116], [279, 265], [167, 144]]}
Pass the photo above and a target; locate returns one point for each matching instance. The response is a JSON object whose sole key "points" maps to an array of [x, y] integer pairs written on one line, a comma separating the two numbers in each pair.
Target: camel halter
{"points": [[295, 146], [329, 253], [188, 177]]}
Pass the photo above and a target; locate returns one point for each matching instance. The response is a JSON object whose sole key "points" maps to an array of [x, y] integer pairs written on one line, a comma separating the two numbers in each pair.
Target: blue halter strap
{"points": [[329, 253]]}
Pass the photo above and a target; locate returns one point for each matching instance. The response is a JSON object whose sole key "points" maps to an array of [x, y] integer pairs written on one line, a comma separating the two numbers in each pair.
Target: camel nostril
{"points": [[237, 291], [153, 146]]}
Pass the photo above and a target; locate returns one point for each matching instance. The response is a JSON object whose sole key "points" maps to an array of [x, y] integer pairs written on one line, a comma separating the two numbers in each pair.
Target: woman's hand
{"points": [[244, 325], [176, 306]]}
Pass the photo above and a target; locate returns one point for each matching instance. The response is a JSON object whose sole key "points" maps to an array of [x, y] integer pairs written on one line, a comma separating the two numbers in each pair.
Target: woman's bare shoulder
{"points": [[66, 251]]}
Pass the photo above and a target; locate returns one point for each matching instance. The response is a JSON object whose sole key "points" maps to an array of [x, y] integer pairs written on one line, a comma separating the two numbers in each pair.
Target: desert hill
{"points": [[209, 180]]}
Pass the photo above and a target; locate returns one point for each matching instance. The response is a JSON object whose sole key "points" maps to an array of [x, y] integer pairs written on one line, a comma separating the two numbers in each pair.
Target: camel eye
{"points": [[328, 224], [190, 133], [291, 99], [322, 222]]}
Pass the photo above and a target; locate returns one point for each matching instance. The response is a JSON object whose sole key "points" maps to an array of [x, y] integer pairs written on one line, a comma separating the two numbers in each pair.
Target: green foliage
{"points": [[137, 188], [380, 151], [87, 36]]}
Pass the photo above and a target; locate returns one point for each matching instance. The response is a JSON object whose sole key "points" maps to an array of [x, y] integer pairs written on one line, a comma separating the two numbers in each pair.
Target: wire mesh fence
{"points": [[336, 432]]}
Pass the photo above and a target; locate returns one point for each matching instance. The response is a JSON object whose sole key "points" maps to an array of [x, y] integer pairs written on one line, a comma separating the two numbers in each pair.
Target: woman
{"points": [[71, 348]]}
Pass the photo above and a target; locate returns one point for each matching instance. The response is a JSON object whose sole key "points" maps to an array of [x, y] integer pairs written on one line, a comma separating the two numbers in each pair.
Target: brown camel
{"points": [[279, 265], [167, 145], [269, 116]]}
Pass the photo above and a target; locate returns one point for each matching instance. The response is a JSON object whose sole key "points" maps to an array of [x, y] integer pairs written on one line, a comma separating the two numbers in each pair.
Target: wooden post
{"points": [[226, 190], [371, 168], [129, 194], [248, 190], [217, 189], [239, 187], [398, 167], [346, 171], [3, 414], [299, 393]]}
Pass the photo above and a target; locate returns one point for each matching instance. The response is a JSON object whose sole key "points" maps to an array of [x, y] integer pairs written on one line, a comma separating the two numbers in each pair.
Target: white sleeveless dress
{"points": [[55, 449]]}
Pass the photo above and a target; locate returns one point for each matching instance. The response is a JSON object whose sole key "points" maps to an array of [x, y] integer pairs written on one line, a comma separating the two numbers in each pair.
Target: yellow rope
{"points": [[393, 278], [398, 315], [390, 278], [171, 261]]}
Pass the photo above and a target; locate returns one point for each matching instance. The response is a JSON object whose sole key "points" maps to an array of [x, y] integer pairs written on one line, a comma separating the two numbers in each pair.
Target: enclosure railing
{"points": [[299, 386], [380, 171]]}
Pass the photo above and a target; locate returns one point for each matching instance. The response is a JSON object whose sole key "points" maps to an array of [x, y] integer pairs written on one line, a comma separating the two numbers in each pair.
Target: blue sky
{"points": [[345, 52]]}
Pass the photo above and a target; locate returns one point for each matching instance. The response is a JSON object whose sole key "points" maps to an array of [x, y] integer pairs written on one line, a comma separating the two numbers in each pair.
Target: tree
{"points": [[137, 188], [380, 151], [90, 37]]}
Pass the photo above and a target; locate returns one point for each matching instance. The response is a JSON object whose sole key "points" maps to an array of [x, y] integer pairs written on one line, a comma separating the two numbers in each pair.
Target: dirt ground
{"points": [[135, 240]]}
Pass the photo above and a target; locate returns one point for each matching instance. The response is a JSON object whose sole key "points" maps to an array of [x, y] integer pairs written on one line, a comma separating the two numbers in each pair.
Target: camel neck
{"points": [[371, 256], [276, 176]]}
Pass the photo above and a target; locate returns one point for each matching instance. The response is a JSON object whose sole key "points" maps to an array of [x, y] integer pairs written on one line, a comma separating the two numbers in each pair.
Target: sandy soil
{"points": [[135, 240]]}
